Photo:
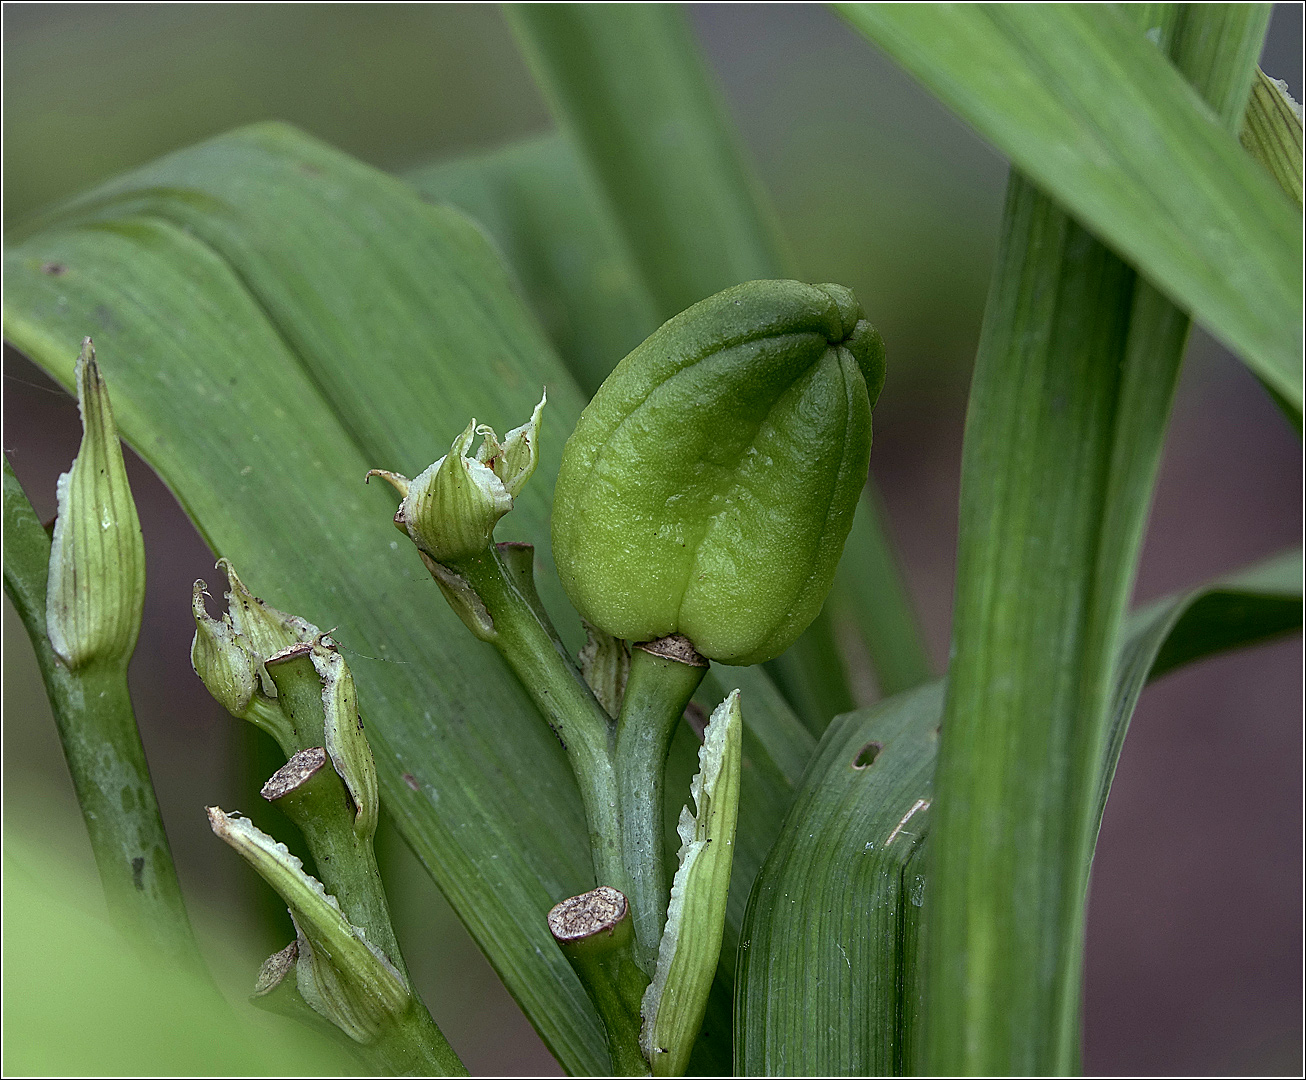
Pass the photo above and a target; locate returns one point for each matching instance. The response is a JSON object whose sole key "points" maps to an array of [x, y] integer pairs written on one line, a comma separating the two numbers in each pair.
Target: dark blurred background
{"points": [[1195, 923]]}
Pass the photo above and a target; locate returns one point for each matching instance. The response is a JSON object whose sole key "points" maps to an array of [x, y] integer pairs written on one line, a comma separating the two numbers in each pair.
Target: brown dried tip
{"points": [[290, 652], [675, 647], [588, 914], [297, 771], [696, 717], [275, 968], [396, 480]]}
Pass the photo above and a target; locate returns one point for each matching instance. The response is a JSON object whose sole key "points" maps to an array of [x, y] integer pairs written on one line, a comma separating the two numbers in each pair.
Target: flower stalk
{"points": [[80, 597], [531, 648], [282, 673], [663, 677]]}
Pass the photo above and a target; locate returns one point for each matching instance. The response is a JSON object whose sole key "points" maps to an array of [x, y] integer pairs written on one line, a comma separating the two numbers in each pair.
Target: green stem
{"points": [[312, 794], [346, 863], [657, 691], [101, 743], [409, 1045], [317, 801], [525, 640], [1071, 395], [415, 1046]]}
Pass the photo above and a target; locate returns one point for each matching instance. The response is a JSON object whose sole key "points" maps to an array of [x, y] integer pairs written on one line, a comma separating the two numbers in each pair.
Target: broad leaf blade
{"points": [[1094, 114], [541, 206], [1032, 628], [819, 975], [276, 319], [1073, 381], [808, 1002], [1259, 603]]}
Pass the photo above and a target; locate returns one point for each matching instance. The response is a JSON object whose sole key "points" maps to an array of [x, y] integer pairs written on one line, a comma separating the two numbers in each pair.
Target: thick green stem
{"points": [[661, 682], [316, 800], [415, 1046], [93, 712], [313, 795], [525, 640], [1071, 395], [407, 1043]]}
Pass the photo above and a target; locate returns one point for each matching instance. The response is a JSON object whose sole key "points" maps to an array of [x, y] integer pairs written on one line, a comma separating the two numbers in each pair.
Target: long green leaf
{"points": [[1258, 603], [827, 981], [626, 83], [1092, 112], [1076, 369], [1031, 627]]}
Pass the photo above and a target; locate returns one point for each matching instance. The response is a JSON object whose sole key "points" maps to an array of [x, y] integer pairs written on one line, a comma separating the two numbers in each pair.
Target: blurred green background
{"points": [[1195, 925]]}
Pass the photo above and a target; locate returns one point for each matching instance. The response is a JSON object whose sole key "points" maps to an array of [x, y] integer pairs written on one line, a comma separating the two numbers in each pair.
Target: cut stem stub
{"points": [[595, 933]]}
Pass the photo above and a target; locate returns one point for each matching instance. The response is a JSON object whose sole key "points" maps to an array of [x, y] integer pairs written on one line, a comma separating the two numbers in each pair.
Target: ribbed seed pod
{"points": [[709, 487]]}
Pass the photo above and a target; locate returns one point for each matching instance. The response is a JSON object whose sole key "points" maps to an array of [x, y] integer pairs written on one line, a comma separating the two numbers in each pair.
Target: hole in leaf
{"points": [[867, 755]]}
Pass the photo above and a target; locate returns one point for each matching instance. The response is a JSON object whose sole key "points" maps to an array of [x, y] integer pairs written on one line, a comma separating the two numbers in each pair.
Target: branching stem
{"points": [[546, 672]]}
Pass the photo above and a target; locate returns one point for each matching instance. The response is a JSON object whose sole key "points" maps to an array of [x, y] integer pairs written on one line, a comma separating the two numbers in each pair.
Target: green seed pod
{"points": [[709, 487]]}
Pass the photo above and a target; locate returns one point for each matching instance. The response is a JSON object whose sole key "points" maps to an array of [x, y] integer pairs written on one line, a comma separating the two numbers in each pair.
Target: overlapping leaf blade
{"points": [[1093, 113], [626, 83], [541, 206], [275, 319], [1073, 380], [827, 981], [1260, 602], [819, 982]]}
